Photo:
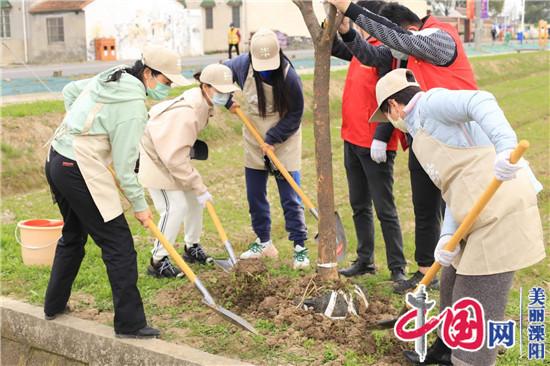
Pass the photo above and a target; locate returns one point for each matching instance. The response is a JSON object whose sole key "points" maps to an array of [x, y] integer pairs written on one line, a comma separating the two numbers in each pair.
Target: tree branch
{"points": [[313, 26]]}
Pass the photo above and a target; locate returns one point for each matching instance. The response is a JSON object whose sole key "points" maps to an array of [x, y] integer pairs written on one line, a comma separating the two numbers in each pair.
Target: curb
{"points": [[91, 343]]}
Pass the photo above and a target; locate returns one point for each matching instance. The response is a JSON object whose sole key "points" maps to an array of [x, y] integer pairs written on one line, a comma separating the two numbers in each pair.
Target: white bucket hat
{"points": [[166, 62]]}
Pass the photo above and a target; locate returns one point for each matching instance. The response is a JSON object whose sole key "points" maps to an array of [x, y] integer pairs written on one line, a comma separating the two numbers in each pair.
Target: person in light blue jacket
{"points": [[462, 140]]}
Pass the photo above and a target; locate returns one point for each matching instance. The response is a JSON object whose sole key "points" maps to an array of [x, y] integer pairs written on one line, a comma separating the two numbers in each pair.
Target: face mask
{"points": [[399, 55], [398, 123], [266, 75], [220, 98], [158, 92]]}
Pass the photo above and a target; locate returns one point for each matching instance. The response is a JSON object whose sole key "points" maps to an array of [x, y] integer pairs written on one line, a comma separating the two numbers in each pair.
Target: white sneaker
{"points": [[301, 261], [258, 249]]}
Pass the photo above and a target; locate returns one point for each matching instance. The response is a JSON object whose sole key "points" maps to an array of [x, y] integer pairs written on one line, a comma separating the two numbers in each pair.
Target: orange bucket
{"points": [[38, 240]]}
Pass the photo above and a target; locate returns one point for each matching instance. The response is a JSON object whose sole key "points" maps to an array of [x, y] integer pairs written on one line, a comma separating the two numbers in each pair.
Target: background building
{"points": [[250, 15], [53, 31]]}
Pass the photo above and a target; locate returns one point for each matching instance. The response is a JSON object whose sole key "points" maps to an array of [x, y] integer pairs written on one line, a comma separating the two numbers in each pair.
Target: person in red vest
{"points": [[368, 181], [434, 52]]}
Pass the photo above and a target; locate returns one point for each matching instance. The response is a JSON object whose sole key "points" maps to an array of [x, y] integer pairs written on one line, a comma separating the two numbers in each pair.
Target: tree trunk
{"points": [[322, 41], [323, 158]]}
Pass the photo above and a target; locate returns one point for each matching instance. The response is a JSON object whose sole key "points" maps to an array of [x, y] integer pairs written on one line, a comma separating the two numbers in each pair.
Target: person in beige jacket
{"points": [[176, 187]]}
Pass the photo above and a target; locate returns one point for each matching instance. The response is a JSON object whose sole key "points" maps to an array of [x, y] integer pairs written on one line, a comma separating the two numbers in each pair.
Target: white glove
{"points": [[444, 257], [378, 151], [504, 170], [203, 198]]}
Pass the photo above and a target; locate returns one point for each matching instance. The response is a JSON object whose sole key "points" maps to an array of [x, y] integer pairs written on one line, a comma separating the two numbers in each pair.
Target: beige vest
{"points": [[507, 236], [290, 151], [93, 155]]}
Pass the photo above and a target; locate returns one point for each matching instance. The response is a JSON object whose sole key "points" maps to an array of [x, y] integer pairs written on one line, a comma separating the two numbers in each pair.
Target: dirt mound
{"points": [[254, 294]]}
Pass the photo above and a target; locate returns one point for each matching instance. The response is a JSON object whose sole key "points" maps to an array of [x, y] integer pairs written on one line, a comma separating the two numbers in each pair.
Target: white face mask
{"points": [[399, 55], [221, 98], [399, 123]]}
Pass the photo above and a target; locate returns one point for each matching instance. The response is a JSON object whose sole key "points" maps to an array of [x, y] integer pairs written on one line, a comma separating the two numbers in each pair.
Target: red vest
{"points": [[359, 103], [456, 76]]}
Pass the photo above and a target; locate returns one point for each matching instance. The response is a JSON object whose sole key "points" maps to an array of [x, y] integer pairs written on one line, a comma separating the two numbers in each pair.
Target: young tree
{"points": [[322, 38]]}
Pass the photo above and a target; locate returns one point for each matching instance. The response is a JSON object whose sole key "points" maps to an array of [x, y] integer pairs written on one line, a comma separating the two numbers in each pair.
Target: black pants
{"points": [[236, 49], [81, 217], [429, 209], [370, 183]]}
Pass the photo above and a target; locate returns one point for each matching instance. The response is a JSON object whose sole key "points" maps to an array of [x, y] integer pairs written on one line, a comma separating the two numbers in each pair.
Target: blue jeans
{"points": [[256, 192]]}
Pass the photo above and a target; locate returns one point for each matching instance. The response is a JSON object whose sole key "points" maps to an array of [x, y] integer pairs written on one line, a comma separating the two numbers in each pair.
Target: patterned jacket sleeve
{"points": [[431, 44]]}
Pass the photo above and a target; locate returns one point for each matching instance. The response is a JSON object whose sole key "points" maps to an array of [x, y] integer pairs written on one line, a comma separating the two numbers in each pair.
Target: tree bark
{"points": [[322, 41]]}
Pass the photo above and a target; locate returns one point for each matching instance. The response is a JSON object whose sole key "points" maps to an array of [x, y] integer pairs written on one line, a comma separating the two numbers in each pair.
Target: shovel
{"points": [[341, 242], [462, 230], [207, 298], [229, 263]]}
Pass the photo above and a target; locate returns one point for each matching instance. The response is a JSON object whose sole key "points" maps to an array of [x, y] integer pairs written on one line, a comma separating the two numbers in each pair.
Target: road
{"points": [[94, 67]]}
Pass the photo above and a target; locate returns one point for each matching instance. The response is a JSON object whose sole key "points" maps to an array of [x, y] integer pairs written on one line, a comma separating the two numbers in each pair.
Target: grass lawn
{"points": [[520, 83]]}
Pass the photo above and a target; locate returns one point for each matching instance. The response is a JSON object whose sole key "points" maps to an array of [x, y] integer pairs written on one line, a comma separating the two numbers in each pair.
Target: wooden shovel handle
{"points": [[216, 220], [472, 215], [176, 257], [162, 239], [252, 129]]}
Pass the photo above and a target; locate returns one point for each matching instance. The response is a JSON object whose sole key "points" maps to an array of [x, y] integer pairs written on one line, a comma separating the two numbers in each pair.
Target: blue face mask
{"points": [[221, 99], [158, 92], [266, 75]]}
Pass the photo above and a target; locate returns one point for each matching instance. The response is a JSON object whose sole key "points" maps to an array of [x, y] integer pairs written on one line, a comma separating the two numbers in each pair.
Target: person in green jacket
{"points": [[105, 120]]}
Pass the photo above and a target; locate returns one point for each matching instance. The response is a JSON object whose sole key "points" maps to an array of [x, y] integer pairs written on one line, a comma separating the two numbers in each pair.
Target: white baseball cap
{"points": [[220, 77], [391, 83], [166, 62], [264, 49]]}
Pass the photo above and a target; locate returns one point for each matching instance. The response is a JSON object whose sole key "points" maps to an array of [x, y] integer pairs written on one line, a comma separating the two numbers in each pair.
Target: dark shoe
{"points": [[398, 275], [437, 354], [163, 269], [196, 254], [52, 317], [357, 269], [143, 333], [410, 284]]}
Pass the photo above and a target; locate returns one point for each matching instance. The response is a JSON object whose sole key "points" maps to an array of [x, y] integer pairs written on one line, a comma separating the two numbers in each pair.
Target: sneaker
{"points": [[196, 254], [410, 284], [143, 333], [258, 249], [301, 260], [163, 268]]}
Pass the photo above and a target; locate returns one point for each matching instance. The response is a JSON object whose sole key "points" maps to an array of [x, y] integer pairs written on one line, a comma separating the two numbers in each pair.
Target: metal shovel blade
{"points": [[232, 317], [341, 241], [385, 324], [225, 264]]}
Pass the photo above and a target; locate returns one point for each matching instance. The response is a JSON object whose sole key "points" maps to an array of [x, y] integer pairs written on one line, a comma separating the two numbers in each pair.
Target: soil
{"points": [[254, 294]]}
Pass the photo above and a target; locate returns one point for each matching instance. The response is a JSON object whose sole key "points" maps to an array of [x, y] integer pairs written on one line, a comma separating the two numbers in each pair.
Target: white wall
{"points": [[135, 23], [280, 15]]}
